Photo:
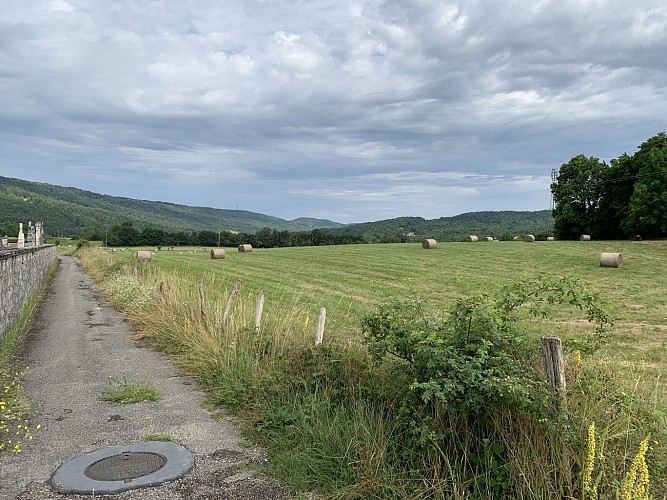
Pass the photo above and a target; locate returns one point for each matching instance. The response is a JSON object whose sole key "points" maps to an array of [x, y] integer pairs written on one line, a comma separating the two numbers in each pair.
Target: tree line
{"points": [[126, 234], [624, 199]]}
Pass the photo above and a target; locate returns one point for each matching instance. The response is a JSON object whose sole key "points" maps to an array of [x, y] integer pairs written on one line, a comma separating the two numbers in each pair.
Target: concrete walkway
{"points": [[80, 344]]}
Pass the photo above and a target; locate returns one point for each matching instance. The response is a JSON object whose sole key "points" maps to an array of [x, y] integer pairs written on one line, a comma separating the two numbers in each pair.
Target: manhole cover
{"points": [[125, 467], [121, 468]]}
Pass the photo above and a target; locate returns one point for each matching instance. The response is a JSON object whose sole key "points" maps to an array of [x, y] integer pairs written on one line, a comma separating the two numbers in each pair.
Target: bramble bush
{"points": [[468, 369]]}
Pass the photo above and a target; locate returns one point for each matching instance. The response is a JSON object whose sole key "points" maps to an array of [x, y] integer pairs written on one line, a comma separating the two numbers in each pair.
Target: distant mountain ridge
{"points": [[481, 224], [68, 210]]}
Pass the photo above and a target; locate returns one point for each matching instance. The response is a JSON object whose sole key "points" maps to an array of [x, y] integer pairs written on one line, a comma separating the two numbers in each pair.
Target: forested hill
{"points": [[66, 210], [499, 225]]}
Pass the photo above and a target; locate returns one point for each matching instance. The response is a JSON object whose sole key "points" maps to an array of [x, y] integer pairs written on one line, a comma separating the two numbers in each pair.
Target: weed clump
{"points": [[15, 428], [127, 393]]}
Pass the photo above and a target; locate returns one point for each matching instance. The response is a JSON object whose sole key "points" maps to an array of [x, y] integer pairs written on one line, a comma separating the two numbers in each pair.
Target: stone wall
{"points": [[22, 271]]}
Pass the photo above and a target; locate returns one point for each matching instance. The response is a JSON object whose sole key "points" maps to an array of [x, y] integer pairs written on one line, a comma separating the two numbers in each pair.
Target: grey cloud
{"points": [[325, 100]]}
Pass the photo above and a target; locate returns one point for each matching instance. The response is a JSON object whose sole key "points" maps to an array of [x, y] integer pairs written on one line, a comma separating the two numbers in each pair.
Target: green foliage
{"points": [[15, 429], [344, 425], [164, 437], [73, 211], [477, 358], [500, 225], [648, 205], [82, 243], [126, 393], [621, 200], [471, 366], [577, 193], [15, 337]]}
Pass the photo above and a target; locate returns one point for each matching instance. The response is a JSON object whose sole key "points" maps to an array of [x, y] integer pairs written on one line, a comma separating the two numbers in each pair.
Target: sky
{"points": [[351, 111]]}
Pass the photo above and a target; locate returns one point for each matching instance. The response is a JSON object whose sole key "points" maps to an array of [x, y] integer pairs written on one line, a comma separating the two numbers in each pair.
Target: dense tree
{"points": [[92, 233], [577, 193], [617, 183], [647, 214], [151, 236], [618, 201], [123, 234], [207, 238]]}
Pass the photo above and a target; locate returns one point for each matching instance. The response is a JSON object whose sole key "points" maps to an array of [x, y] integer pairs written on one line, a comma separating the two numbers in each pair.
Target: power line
{"points": [[554, 177]]}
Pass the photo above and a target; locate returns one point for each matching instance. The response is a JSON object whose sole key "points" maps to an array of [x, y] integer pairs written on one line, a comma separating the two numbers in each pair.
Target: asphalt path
{"points": [[80, 345]]}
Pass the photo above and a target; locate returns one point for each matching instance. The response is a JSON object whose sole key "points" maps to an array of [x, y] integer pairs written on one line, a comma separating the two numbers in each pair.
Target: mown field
{"points": [[351, 281]]}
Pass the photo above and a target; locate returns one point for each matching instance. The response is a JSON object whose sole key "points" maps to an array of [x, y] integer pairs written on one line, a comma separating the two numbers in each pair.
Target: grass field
{"points": [[351, 281], [280, 386]]}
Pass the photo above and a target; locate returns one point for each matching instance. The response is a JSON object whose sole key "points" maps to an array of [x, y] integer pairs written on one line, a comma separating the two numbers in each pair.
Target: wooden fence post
{"points": [[201, 299], [258, 313], [230, 303], [319, 337], [554, 367]]}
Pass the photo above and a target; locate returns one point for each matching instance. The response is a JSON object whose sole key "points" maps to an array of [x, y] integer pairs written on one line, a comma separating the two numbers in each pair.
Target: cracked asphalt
{"points": [[80, 344]]}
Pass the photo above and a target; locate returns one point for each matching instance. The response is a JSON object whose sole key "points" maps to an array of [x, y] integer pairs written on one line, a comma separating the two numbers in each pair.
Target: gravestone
{"points": [[20, 242], [39, 233], [30, 236]]}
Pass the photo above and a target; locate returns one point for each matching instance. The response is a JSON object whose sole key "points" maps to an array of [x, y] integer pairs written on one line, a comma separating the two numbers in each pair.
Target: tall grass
{"points": [[334, 420]]}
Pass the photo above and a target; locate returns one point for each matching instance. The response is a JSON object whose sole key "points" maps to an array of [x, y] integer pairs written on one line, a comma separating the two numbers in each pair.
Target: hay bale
{"points": [[144, 255], [550, 238], [488, 238], [218, 253], [529, 238], [611, 260], [245, 248], [429, 244], [472, 238], [517, 238], [585, 237]]}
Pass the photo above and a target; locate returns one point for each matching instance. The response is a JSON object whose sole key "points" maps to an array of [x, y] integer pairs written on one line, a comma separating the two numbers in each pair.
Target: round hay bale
{"points": [[550, 238], [472, 238], [611, 260], [517, 238], [585, 237], [488, 238], [245, 248], [144, 255], [429, 244], [529, 238], [218, 253]]}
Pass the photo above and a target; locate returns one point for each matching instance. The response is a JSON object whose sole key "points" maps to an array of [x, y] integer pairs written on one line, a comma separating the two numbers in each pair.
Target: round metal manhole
{"points": [[125, 467], [121, 468]]}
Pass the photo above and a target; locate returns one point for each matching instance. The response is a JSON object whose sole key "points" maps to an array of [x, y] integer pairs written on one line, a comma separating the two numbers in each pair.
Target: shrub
{"points": [[469, 368]]}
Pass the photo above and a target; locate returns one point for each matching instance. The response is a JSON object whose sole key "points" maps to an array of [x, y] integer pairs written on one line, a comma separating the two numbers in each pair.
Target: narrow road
{"points": [[80, 346]]}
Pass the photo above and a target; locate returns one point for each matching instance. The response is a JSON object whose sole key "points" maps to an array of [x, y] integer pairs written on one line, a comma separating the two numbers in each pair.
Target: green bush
{"points": [[467, 369]]}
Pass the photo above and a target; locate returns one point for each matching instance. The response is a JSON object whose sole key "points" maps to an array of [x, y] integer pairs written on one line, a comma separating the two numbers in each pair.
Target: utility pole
{"points": [[554, 177]]}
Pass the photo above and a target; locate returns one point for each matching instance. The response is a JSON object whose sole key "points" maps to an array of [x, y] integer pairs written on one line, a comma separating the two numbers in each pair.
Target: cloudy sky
{"points": [[350, 111]]}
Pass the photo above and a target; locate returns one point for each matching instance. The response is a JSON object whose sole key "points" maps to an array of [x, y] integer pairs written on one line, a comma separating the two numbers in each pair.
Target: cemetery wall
{"points": [[22, 271]]}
